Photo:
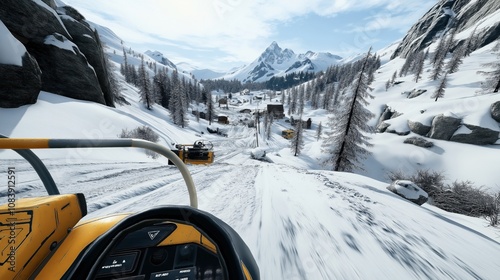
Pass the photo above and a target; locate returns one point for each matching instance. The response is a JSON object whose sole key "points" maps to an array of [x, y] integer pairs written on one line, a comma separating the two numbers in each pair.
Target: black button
{"points": [[159, 255]]}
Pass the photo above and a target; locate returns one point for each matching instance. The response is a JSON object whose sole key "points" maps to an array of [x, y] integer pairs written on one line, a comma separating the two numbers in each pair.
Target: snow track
{"points": [[299, 224]]}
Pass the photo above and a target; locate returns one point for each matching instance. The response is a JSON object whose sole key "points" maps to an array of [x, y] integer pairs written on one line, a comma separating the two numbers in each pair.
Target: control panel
{"points": [[166, 251]]}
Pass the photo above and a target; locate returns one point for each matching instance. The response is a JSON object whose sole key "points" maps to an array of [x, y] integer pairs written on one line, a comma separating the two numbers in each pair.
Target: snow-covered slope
{"points": [[199, 74], [275, 61], [298, 222], [159, 57]]}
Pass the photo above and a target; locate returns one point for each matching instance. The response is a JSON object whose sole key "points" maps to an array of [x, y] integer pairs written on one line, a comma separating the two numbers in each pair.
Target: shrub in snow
{"points": [[409, 190], [142, 132]]}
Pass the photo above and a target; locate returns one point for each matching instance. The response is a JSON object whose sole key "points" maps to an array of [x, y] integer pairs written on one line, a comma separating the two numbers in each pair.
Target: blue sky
{"points": [[221, 34]]}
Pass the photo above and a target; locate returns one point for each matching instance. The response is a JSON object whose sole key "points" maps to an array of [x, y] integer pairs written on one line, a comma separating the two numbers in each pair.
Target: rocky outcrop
{"points": [[65, 71], [89, 44], [495, 111], [20, 85], [419, 141], [476, 135], [387, 114], [416, 93], [75, 67], [443, 127], [419, 128], [29, 21], [400, 133], [468, 14]]}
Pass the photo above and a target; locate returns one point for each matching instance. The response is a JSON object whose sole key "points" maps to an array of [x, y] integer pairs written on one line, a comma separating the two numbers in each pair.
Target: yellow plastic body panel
{"points": [[80, 237], [184, 234], [31, 229]]}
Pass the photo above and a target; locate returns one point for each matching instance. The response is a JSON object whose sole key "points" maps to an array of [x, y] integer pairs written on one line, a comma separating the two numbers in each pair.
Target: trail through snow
{"points": [[299, 224]]}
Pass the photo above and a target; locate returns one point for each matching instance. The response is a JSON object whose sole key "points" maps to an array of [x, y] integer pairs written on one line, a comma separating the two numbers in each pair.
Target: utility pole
{"points": [[257, 127]]}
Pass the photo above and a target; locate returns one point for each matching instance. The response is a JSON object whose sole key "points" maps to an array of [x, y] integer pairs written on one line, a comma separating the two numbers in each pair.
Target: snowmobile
{"points": [[45, 238], [200, 152], [288, 133]]}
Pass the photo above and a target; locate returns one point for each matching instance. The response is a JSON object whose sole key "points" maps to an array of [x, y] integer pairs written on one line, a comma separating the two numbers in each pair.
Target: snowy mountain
{"points": [[159, 57], [199, 74], [275, 61]]}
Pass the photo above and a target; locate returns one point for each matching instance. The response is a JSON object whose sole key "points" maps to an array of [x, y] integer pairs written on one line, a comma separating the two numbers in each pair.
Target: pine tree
{"points": [[328, 96], [210, 107], [387, 85], [295, 96], [301, 99], [438, 66], [492, 77], [440, 49], [114, 84], [319, 131], [297, 141], [456, 59], [419, 65], [162, 88], [410, 59], [145, 89], [345, 142], [178, 101], [470, 43], [439, 93], [393, 78]]}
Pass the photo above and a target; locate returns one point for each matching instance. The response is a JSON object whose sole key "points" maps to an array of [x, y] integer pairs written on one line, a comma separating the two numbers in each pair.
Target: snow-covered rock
{"points": [[476, 135], [409, 190], [495, 111], [443, 127], [419, 128], [20, 76], [419, 141]]}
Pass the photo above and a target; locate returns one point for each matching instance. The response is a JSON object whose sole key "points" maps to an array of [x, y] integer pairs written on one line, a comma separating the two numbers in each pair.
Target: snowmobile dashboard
{"points": [[50, 241], [167, 242]]}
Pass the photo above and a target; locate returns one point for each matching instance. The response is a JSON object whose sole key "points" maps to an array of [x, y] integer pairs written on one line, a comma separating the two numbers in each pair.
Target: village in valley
{"points": [[262, 110]]}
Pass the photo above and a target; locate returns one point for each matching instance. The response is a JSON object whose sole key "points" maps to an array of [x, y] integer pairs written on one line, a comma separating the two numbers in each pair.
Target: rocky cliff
{"points": [[446, 14], [63, 54]]}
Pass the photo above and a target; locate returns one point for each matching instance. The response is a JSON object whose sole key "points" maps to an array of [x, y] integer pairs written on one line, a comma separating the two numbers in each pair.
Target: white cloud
{"points": [[239, 28]]}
